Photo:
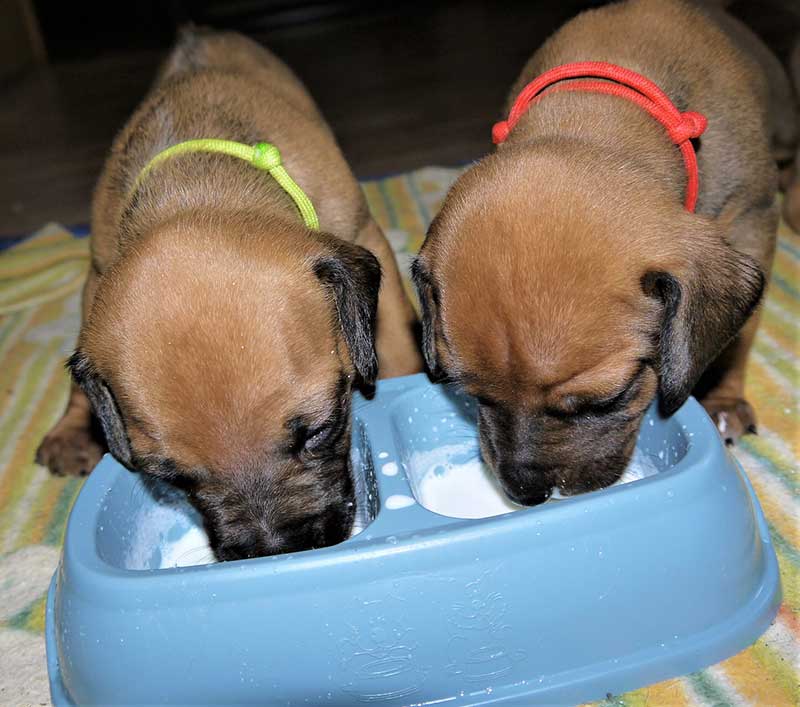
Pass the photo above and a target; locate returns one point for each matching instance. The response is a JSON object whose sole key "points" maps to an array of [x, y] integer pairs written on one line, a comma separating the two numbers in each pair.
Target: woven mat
{"points": [[39, 319]]}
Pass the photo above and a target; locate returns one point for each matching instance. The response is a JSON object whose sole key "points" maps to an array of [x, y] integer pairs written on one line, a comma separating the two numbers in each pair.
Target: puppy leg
{"points": [[724, 400], [721, 390], [398, 354], [74, 445]]}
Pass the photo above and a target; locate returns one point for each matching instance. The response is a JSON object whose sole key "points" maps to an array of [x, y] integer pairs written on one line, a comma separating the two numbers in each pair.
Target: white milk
{"points": [[192, 549], [468, 489], [157, 542], [168, 533], [451, 480]]}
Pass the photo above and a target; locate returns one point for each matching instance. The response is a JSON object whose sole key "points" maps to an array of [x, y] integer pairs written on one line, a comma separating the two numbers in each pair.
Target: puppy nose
{"points": [[530, 497], [527, 485], [227, 552], [247, 544]]}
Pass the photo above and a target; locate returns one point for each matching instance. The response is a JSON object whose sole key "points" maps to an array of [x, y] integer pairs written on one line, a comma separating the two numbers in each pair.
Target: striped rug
{"points": [[40, 280]]}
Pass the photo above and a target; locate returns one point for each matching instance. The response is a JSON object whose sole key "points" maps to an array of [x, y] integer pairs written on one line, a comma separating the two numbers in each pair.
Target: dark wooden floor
{"points": [[403, 86]]}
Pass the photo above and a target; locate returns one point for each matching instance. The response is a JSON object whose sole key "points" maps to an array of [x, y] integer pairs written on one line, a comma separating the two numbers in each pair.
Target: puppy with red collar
{"points": [[612, 250], [233, 304]]}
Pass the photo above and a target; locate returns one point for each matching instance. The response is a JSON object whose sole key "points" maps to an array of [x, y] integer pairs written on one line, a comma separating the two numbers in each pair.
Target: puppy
{"points": [[564, 282], [222, 338]]}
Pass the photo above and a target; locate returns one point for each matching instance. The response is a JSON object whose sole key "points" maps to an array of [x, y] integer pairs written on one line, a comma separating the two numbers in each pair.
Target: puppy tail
{"points": [[190, 36], [189, 54]]}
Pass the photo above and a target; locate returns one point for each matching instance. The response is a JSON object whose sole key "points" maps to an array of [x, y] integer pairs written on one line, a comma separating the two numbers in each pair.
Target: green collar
{"points": [[262, 156]]}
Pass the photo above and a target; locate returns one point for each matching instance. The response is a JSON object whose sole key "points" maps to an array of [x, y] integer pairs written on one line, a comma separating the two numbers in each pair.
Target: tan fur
{"points": [[200, 310], [540, 250]]}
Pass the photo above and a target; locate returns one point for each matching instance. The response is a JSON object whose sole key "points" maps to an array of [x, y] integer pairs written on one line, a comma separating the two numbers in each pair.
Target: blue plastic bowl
{"points": [[561, 603]]}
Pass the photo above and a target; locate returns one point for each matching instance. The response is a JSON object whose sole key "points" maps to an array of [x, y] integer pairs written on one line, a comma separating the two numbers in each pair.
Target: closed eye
{"points": [[317, 438], [619, 399], [309, 435], [323, 435], [605, 405]]}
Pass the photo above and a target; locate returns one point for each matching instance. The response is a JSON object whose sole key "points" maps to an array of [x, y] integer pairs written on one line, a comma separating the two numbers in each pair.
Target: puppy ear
{"points": [[103, 405], [705, 304], [353, 275], [428, 294]]}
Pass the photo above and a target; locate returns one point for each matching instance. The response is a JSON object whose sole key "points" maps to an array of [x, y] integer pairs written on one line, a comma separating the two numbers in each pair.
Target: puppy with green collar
{"points": [[239, 293]]}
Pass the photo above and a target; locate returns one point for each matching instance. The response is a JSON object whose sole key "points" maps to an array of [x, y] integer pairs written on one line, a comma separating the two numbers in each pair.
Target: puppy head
{"points": [[222, 358], [565, 297]]}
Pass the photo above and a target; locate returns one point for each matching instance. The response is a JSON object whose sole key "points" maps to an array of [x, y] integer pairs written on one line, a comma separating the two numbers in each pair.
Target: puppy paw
{"points": [[733, 417], [69, 451]]}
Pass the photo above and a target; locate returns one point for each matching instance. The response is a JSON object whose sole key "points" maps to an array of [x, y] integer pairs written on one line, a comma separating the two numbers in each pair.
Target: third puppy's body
{"points": [[221, 336], [564, 283]]}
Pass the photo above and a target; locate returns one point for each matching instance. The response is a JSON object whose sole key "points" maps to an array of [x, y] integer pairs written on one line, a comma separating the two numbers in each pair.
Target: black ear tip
{"points": [[78, 365], [103, 403], [660, 285], [668, 405], [368, 370], [419, 272], [371, 262], [75, 360], [350, 262], [761, 285], [353, 275], [429, 302], [436, 374]]}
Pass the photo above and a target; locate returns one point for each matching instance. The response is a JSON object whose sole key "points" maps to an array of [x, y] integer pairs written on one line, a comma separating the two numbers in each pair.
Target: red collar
{"points": [[681, 127]]}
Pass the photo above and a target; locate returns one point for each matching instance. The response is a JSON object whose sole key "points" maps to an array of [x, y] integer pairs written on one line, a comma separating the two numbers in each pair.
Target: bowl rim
{"points": [[80, 541]]}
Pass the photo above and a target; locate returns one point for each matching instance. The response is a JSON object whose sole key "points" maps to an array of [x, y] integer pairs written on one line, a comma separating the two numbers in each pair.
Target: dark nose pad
{"points": [[337, 524], [246, 543], [236, 551], [525, 485]]}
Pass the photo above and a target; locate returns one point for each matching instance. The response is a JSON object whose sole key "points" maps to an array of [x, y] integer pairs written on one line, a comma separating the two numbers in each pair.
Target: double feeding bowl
{"points": [[557, 604]]}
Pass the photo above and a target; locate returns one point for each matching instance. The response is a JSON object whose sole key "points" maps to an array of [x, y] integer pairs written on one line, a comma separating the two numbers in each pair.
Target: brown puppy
{"points": [[222, 338], [565, 285]]}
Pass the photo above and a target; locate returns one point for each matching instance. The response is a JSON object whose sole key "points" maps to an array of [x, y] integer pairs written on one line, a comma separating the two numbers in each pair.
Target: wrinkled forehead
{"points": [[216, 369], [523, 318], [220, 409], [517, 351]]}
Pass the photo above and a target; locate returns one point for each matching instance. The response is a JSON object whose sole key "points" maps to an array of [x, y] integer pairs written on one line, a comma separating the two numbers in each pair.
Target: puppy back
{"points": [[223, 86], [680, 48]]}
